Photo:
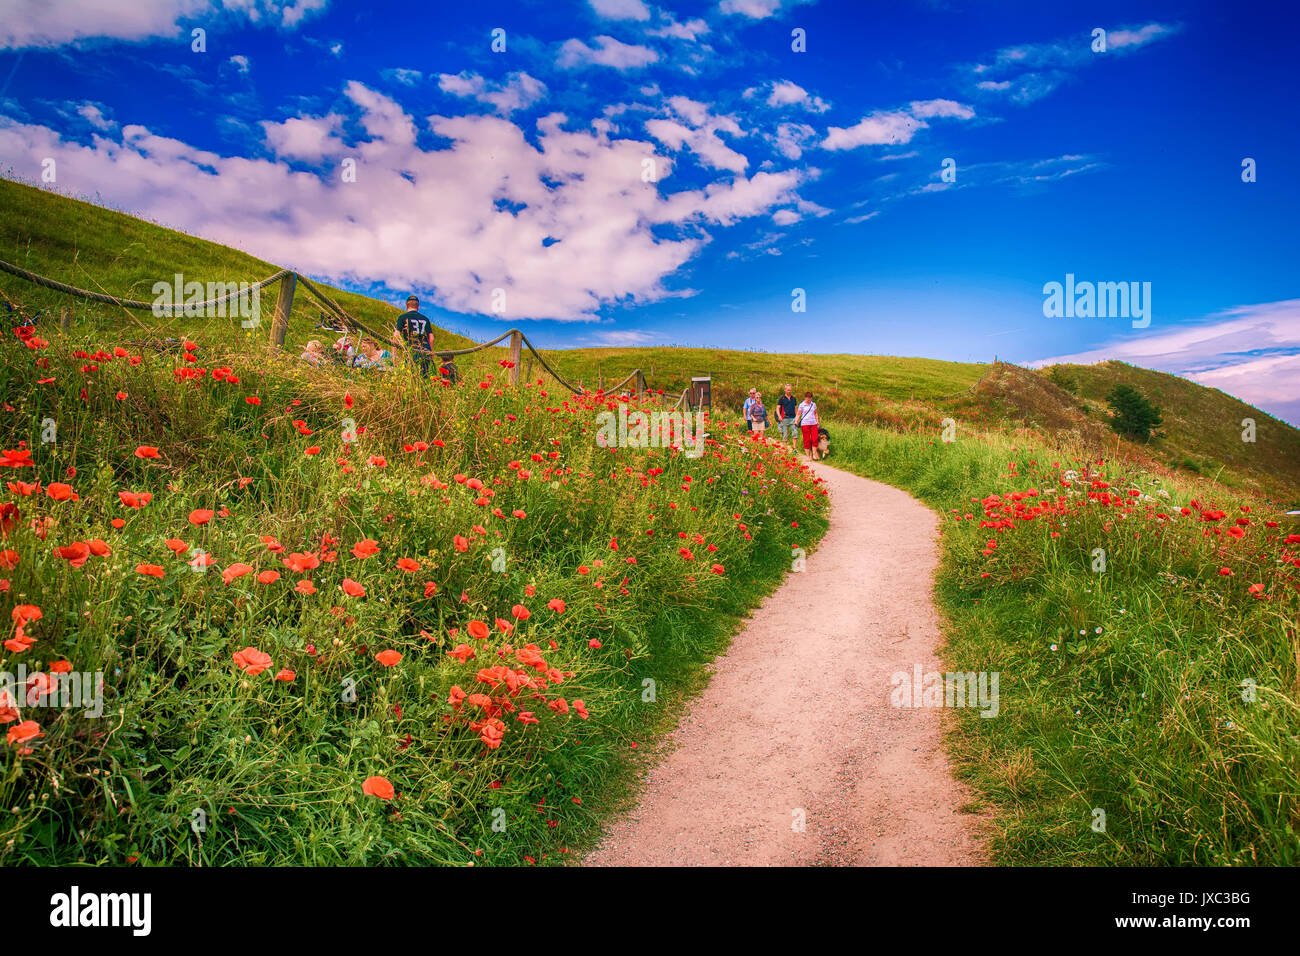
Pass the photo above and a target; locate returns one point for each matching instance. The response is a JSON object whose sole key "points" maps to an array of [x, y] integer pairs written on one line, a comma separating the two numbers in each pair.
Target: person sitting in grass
{"points": [[344, 349], [447, 371], [371, 356], [313, 354]]}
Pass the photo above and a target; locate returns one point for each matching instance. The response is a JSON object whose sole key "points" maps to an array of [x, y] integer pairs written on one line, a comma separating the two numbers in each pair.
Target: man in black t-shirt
{"points": [[417, 332], [785, 422]]}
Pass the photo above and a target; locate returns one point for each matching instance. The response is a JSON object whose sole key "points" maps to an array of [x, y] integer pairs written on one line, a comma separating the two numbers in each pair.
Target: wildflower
{"points": [[252, 661]]}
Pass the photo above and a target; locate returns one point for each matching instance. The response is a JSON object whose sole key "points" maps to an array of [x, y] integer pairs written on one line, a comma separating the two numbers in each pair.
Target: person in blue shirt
{"points": [[416, 331]]}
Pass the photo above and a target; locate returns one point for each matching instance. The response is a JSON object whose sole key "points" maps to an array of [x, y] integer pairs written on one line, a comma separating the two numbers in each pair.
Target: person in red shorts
{"points": [[806, 416]]}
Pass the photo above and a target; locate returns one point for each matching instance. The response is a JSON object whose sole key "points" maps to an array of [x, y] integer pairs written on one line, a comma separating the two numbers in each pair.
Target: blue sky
{"points": [[522, 170]]}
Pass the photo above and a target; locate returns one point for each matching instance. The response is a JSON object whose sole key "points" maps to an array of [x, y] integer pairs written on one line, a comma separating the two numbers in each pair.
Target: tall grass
{"points": [[199, 761], [1158, 691]]}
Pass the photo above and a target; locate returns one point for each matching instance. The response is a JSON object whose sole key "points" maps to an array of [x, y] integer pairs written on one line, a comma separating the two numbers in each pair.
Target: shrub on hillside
{"points": [[1132, 414]]}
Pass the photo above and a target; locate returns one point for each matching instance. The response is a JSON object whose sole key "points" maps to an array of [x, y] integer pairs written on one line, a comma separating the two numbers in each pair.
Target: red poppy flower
{"points": [[75, 554], [201, 516], [236, 570], [388, 658], [252, 661], [365, 548], [378, 787], [151, 570], [58, 491], [352, 588], [146, 451]]}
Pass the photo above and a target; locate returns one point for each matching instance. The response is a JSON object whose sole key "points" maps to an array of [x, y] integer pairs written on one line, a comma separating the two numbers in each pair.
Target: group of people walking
{"points": [[794, 419]]}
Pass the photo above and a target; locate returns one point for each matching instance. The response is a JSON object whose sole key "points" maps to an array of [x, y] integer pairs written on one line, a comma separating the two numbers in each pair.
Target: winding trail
{"points": [[797, 717]]}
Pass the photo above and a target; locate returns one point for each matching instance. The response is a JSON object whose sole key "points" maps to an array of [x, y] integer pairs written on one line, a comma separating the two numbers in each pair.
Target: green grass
{"points": [[1121, 690], [92, 247], [1143, 720], [276, 766]]}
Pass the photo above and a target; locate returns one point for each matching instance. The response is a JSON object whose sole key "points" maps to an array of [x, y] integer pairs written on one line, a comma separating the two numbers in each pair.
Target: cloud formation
{"points": [[53, 23], [894, 127], [564, 223], [1250, 351]]}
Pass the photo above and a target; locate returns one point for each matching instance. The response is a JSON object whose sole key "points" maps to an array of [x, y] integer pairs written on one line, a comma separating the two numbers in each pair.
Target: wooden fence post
{"points": [[640, 382], [65, 320], [283, 305], [516, 346]]}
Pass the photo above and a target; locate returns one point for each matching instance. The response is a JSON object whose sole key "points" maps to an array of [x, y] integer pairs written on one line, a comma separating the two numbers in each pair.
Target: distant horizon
{"points": [[622, 173]]}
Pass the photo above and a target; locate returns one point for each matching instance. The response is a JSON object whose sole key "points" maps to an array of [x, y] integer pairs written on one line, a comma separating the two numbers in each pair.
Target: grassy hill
{"points": [[97, 248], [101, 249], [437, 534]]}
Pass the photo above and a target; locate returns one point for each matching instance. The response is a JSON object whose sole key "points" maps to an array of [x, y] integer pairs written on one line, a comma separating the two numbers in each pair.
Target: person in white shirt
{"points": [[806, 416]]}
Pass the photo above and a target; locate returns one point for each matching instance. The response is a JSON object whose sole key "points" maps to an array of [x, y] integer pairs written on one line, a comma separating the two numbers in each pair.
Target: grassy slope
{"points": [[278, 766], [1121, 689], [1169, 768], [98, 248], [107, 251]]}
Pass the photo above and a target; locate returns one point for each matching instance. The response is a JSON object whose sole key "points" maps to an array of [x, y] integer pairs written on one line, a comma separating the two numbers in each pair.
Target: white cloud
{"points": [[690, 30], [699, 133], [93, 115], [620, 9], [786, 93], [404, 76], [945, 109], [625, 338], [792, 139], [1250, 351], [240, 62], [440, 221], [894, 127], [52, 23], [518, 91], [311, 138], [607, 52], [754, 9], [1033, 70]]}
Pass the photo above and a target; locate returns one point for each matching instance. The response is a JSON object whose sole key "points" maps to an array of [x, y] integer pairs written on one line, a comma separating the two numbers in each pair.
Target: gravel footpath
{"points": [[796, 723]]}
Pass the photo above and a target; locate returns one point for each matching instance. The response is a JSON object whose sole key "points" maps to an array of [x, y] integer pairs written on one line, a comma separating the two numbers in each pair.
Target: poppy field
{"points": [[339, 619], [1145, 626]]}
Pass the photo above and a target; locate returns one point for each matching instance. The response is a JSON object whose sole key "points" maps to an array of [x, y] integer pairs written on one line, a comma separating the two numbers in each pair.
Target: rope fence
{"points": [[289, 281]]}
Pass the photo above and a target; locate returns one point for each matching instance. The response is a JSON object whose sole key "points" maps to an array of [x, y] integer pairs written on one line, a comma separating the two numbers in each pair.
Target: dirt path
{"points": [[797, 717]]}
